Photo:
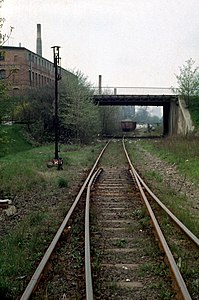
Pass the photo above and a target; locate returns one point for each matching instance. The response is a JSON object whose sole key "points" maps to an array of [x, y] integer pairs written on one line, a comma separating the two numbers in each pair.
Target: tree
{"points": [[188, 81], [110, 117], [35, 108], [2, 84], [79, 117], [4, 99], [3, 36], [142, 115]]}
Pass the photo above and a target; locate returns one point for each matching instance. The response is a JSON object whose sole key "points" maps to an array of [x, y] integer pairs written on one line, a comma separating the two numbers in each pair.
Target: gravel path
{"points": [[171, 177]]}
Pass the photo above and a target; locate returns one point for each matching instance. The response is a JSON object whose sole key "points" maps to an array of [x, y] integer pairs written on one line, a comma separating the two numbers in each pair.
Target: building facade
{"points": [[24, 69]]}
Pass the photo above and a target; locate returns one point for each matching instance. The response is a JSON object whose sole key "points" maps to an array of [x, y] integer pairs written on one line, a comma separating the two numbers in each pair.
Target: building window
{"points": [[30, 76], [33, 78], [2, 74], [2, 55], [15, 88]]}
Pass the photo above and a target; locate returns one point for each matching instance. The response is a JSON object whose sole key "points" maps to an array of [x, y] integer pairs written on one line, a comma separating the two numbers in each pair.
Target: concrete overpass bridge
{"points": [[139, 96]]}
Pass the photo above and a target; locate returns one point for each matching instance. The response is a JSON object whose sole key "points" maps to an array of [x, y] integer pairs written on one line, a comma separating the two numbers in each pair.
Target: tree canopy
{"points": [[4, 99], [78, 117], [188, 81]]}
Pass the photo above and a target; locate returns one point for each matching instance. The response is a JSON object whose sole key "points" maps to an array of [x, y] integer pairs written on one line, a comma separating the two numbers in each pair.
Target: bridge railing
{"points": [[132, 91]]}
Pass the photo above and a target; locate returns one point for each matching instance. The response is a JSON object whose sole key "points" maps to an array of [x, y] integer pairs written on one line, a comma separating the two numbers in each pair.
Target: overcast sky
{"points": [[128, 42]]}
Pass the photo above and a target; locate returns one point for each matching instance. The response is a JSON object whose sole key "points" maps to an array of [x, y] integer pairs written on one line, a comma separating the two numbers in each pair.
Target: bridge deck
{"points": [[145, 100]]}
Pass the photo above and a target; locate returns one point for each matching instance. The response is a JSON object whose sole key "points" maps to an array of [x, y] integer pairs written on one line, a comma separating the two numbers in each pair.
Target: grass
{"points": [[165, 294], [115, 153], [156, 269], [27, 170], [121, 243], [155, 175], [20, 249], [23, 170], [62, 182], [12, 140], [194, 110], [181, 151]]}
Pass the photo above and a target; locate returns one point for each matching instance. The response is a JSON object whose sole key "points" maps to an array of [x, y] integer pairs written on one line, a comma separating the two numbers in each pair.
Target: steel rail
{"points": [[88, 276], [190, 235], [38, 272], [182, 288]]}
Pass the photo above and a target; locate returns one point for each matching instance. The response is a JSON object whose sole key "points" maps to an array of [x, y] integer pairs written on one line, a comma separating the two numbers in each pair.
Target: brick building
{"points": [[24, 69]]}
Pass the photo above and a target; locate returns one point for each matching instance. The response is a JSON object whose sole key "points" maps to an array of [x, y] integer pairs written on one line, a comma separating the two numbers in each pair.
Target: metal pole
{"points": [[56, 121]]}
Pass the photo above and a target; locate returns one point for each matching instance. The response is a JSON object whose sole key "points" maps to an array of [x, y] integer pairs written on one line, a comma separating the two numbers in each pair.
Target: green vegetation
{"points": [[12, 140], [78, 117], [181, 151], [21, 248], [183, 154], [155, 175], [188, 81], [194, 110], [188, 88], [112, 156], [26, 175], [24, 168], [26, 172], [121, 243], [165, 294], [62, 182]]}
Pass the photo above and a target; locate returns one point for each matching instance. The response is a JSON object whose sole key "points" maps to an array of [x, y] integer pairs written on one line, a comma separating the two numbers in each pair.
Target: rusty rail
{"points": [[182, 290], [181, 286], [190, 235], [38, 273], [88, 276]]}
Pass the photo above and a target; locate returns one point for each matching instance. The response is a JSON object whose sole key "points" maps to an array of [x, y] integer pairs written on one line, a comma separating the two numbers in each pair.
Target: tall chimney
{"points": [[100, 84], [39, 43]]}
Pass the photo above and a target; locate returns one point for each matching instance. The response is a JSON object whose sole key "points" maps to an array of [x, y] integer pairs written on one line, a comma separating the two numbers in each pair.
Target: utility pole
{"points": [[57, 66]]}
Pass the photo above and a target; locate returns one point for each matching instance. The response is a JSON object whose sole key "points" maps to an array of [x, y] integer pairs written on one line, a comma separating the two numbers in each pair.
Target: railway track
{"points": [[123, 263]]}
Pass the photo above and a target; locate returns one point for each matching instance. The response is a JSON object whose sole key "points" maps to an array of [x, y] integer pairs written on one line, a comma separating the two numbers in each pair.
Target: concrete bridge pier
{"points": [[170, 118], [184, 125], [176, 118]]}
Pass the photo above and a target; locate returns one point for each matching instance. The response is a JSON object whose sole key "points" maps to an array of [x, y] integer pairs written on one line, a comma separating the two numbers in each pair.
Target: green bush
{"points": [[62, 182]]}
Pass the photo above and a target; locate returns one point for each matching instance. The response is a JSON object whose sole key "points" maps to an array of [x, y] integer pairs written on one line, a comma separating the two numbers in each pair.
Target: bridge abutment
{"points": [[184, 124]]}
